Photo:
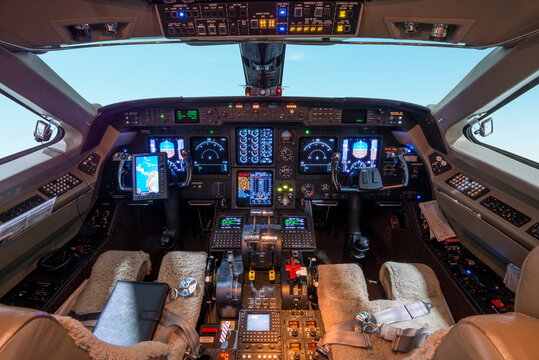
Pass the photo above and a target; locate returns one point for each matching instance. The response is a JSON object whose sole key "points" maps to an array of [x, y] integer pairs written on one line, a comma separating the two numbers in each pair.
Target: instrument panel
{"points": [[271, 153]]}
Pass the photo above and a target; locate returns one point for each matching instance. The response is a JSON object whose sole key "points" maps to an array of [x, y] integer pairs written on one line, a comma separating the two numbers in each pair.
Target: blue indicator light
{"points": [[181, 14], [282, 29], [282, 12], [468, 272], [418, 197]]}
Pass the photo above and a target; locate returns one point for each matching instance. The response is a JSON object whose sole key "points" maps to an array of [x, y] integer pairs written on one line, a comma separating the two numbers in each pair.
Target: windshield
{"points": [[421, 75]]}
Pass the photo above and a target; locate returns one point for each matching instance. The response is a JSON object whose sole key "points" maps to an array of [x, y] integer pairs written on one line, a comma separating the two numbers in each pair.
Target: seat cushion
{"points": [[493, 337]]}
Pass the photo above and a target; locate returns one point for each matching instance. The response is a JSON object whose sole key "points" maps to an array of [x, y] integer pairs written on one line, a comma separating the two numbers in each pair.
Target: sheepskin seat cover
{"points": [[342, 292]]}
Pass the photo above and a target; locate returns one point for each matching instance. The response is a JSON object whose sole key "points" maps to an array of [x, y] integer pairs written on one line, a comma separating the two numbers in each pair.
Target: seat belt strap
{"points": [[343, 334], [402, 313], [403, 340], [172, 322]]}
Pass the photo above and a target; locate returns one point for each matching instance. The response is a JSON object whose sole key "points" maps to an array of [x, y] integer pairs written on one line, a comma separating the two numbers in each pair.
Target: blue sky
{"points": [[106, 75]]}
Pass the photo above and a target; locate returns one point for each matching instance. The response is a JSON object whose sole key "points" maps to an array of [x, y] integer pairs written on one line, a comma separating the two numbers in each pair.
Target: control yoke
{"points": [[368, 179]]}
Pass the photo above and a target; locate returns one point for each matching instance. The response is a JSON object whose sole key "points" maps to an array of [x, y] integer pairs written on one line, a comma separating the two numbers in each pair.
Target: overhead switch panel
{"points": [[259, 19]]}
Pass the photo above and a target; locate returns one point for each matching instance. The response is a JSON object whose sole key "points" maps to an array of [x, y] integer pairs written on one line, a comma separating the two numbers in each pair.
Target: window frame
{"points": [[59, 135], [468, 133]]}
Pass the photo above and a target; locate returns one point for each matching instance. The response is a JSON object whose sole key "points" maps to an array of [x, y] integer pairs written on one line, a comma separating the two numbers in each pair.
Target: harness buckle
{"points": [[365, 321]]}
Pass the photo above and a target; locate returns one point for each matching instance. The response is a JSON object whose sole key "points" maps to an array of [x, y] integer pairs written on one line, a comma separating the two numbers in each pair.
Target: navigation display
{"points": [[254, 146], [315, 154], [230, 223], [210, 155], [255, 188], [294, 223], [359, 152], [149, 176], [258, 322], [172, 146]]}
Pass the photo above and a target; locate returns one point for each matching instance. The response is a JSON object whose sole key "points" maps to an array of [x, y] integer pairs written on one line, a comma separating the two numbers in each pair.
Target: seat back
{"points": [[31, 334], [500, 336]]}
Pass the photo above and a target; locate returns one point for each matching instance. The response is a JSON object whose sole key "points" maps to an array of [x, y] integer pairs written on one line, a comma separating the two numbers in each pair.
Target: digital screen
{"points": [[230, 223], [315, 154], [294, 223], [258, 322], [186, 116], [359, 152], [255, 188], [223, 356], [354, 116], [172, 146], [210, 155], [312, 346], [311, 324], [146, 175], [254, 146], [295, 346], [293, 324]]}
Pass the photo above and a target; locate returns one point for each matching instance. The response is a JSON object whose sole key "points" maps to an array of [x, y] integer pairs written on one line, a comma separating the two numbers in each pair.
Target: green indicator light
{"points": [[282, 116], [162, 116], [230, 106], [291, 189], [279, 189], [285, 186], [307, 132], [211, 131]]}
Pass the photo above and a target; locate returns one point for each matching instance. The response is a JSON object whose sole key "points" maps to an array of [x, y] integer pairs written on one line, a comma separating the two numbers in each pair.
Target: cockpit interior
{"points": [[260, 224]]}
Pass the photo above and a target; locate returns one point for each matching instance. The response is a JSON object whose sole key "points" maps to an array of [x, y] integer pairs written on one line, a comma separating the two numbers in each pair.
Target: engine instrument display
{"points": [[315, 154], [210, 155], [254, 146], [172, 146], [255, 188], [359, 152]]}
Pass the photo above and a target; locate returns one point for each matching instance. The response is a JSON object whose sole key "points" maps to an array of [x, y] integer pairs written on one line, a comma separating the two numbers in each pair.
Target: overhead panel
{"points": [[259, 19]]}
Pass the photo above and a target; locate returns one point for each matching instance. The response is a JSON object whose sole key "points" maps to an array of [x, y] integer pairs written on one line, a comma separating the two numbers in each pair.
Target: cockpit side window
{"points": [[17, 135], [515, 128]]}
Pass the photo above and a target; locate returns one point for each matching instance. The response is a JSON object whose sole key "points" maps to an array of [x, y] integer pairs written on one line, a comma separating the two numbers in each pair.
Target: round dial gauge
{"points": [[285, 172], [307, 189], [286, 154]]}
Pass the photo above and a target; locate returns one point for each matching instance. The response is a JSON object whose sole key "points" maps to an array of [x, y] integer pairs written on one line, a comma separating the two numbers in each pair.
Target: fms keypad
{"points": [[467, 186]]}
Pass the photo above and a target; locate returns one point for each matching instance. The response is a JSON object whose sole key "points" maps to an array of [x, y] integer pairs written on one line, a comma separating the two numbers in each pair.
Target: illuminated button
{"points": [[320, 28], [282, 12], [282, 29], [313, 28], [271, 23], [263, 23], [306, 28], [342, 13], [340, 28], [292, 28], [254, 24]]}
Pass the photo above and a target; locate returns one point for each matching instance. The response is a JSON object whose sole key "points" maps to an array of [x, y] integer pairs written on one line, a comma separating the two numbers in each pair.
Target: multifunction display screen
{"points": [[294, 223], [350, 116], [149, 176], [210, 155], [258, 322], [230, 223], [255, 188], [254, 146], [172, 146], [182, 116], [359, 152], [315, 154]]}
